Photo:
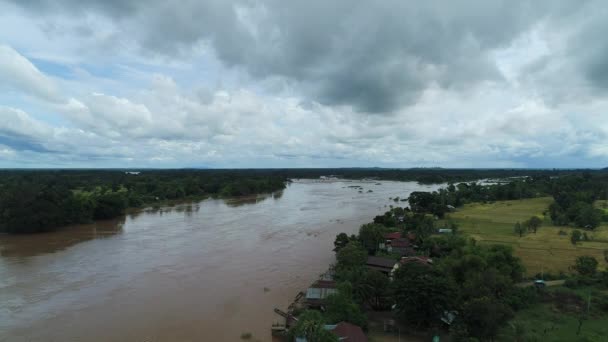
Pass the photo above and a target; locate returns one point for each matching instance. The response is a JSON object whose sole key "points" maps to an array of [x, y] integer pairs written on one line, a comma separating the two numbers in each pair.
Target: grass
{"points": [[544, 251], [553, 321], [542, 323]]}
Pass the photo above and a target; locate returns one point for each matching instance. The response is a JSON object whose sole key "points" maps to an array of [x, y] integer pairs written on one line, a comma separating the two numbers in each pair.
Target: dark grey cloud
{"points": [[117, 8], [588, 46], [21, 142], [375, 56]]}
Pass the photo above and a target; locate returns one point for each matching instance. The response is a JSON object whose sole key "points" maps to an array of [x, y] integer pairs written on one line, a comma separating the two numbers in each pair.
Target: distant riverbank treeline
{"points": [[36, 201], [575, 197], [40, 200], [430, 175]]}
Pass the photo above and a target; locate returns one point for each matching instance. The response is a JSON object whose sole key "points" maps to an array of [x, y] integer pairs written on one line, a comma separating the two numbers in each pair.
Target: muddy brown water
{"points": [[205, 271]]}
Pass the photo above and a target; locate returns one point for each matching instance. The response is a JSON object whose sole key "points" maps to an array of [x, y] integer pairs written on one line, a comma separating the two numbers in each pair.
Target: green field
{"points": [[544, 251], [543, 323]]}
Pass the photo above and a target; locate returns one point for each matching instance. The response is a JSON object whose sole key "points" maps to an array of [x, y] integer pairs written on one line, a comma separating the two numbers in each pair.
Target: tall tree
{"points": [[484, 316], [341, 307], [519, 229], [533, 223], [586, 265], [311, 326], [340, 242], [575, 236], [422, 294], [370, 236], [351, 256]]}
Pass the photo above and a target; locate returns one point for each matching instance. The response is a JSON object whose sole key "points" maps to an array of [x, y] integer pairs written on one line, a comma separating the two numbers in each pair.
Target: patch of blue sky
{"points": [[53, 68]]}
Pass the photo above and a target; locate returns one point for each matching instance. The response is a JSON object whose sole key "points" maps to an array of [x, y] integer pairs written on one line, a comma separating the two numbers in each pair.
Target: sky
{"points": [[315, 83]]}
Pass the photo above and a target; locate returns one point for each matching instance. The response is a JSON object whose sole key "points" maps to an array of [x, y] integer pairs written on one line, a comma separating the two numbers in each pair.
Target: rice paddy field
{"points": [[545, 251]]}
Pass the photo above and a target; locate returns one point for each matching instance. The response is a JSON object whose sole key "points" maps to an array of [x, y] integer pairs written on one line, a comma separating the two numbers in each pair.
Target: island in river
{"points": [[203, 271]]}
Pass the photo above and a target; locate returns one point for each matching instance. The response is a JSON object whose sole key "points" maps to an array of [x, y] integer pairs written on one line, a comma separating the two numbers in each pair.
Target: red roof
{"points": [[400, 243], [392, 236], [349, 332]]}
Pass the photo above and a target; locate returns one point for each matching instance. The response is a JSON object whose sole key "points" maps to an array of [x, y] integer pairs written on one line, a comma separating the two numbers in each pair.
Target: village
{"points": [[395, 251]]}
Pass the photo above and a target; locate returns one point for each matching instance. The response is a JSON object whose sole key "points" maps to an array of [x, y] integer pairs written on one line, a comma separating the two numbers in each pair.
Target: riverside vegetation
{"points": [[41, 200], [480, 270]]}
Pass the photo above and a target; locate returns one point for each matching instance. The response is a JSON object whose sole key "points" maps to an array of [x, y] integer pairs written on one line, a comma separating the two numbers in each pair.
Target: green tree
{"points": [[377, 285], [422, 294], [110, 204], [533, 223], [351, 256], [519, 229], [311, 325], [484, 316], [340, 242], [575, 236], [586, 265], [606, 255], [588, 217], [370, 236], [341, 307]]}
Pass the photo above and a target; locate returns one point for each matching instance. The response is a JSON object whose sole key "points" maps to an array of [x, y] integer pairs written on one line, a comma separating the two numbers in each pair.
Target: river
{"points": [[204, 271]]}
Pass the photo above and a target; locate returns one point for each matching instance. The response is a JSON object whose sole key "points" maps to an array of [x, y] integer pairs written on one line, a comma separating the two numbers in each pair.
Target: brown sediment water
{"points": [[204, 271]]}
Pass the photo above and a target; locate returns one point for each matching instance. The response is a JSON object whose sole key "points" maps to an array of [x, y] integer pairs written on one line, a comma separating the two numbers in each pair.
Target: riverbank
{"points": [[409, 275], [194, 271]]}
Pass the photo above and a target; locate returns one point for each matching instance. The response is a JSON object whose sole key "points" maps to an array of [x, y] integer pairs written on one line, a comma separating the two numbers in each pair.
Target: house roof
{"points": [[417, 259], [345, 331], [349, 332], [324, 284], [380, 262], [400, 243], [392, 236]]}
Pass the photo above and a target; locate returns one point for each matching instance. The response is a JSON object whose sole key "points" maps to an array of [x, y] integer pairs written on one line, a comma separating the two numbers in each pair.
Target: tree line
{"points": [[574, 197], [36, 201]]}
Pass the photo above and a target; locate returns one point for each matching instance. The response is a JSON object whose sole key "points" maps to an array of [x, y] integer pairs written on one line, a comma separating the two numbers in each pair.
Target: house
{"points": [[384, 265], [422, 260], [450, 207], [345, 331], [318, 291], [402, 246], [389, 237], [349, 332], [445, 231], [392, 236]]}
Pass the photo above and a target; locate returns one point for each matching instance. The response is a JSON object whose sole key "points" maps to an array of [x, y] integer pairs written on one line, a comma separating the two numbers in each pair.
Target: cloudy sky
{"points": [[315, 83]]}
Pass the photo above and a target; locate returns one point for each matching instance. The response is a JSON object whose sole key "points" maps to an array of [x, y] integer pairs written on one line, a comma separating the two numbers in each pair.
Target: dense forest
{"points": [[36, 201]]}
